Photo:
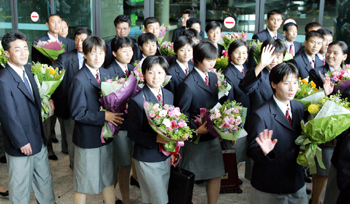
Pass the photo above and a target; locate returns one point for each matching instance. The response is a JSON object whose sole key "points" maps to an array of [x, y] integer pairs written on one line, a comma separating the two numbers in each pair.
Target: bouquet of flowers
{"points": [[167, 49], [115, 94], [255, 46], [222, 84], [3, 57], [339, 76], [225, 122], [222, 62], [307, 92], [47, 79], [170, 124], [330, 116], [161, 34], [229, 38], [50, 49]]}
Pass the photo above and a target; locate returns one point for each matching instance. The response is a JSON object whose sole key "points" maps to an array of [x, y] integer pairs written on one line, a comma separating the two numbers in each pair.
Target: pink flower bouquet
{"points": [[50, 49]]}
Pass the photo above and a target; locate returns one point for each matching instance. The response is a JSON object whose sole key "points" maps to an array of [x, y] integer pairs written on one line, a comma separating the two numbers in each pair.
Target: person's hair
{"points": [[83, 30], [48, 18], [342, 44], [213, 25], [192, 21], [278, 44], [120, 42], [91, 42], [325, 31], [152, 60], [150, 20], [311, 25], [146, 37], [313, 34], [191, 33], [11, 37], [278, 73], [236, 44], [203, 50], [65, 21], [273, 12], [122, 19], [182, 41], [287, 25], [190, 13]]}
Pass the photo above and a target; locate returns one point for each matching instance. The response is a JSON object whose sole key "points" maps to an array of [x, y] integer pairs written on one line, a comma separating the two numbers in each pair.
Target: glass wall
{"points": [[5, 17]]}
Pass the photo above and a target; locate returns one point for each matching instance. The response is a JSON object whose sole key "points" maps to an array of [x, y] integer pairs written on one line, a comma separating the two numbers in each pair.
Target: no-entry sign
{"points": [[34, 16], [229, 22]]}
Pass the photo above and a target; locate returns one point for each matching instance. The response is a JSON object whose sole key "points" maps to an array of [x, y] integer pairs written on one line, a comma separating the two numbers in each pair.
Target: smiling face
{"points": [[286, 89], [95, 57], [54, 25], [335, 56], [64, 29], [239, 55], [155, 76], [149, 48], [277, 60], [185, 53], [123, 55], [18, 53], [153, 28], [214, 35], [328, 39]]}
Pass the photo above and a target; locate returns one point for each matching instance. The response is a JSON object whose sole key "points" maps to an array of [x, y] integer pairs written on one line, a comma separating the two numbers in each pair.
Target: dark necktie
{"points": [[26, 82], [98, 78], [207, 81], [288, 116]]}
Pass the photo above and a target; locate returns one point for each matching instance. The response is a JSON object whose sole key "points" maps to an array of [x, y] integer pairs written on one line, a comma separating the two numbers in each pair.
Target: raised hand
{"points": [[266, 55], [328, 86], [265, 142]]}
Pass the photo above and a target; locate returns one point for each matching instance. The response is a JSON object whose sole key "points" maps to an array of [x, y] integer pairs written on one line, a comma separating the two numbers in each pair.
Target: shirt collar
{"points": [[322, 57], [121, 66], [309, 58], [201, 73], [288, 44], [271, 33], [240, 68], [283, 107], [182, 66], [53, 38], [93, 71], [154, 93]]}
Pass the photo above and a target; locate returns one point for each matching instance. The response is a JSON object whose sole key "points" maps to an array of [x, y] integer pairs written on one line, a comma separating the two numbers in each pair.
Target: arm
{"points": [[315, 77], [60, 63]]}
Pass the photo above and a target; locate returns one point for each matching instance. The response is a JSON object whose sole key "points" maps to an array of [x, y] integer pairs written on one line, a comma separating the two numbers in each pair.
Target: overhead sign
{"points": [[229, 22], [34, 16]]}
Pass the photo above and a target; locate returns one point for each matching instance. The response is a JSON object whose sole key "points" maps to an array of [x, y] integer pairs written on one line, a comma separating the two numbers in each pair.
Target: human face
{"points": [[95, 57], [277, 60], [153, 28], [327, 40], [197, 27], [122, 29], [184, 19], [54, 25], [155, 77], [286, 89], [335, 56], [239, 55], [291, 34], [123, 55], [206, 65], [274, 22], [149, 48], [64, 29], [185, 53], [195, 40], [313, 45], [78, 41], [214, 35], [18, 53]]}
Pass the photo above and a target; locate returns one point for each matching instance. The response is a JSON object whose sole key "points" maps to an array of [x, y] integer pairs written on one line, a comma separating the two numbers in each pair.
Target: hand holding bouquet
{"points": [[307, 92], [50, 49]]}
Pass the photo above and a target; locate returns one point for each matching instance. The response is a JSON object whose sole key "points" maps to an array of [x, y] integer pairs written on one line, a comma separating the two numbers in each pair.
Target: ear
{"points": [[140, 48], [284, 33], [47, 24], [7, 53], [114, 53], [345, 56], [273, 85]]}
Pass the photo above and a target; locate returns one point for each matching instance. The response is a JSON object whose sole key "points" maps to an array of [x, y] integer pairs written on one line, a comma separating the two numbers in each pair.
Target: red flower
{"points": [[225, 53]]}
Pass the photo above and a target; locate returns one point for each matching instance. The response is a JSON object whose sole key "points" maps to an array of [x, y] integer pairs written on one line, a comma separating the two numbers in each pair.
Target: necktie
{"points": [[127, 72], [243, 72], [288, 116], [275, 37], [324, 61], [27, 84], [207, 81], [98, 78], [312, 63], [186, 71], [291, 49], [159, 97]]}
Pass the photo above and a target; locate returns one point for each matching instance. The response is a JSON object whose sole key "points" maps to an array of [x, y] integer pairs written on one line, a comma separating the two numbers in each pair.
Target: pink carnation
{"points": [[151, 115]]}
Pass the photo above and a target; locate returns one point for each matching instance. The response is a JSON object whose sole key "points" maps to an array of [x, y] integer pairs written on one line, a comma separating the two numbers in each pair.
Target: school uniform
{"points": [[177, 33], [303, 63], [152, 166], [93, 168], [109, 58], [220, 49], [276, 176], [265, 34], [343, 172], [316, 77], [178, 74], [205, 158]]}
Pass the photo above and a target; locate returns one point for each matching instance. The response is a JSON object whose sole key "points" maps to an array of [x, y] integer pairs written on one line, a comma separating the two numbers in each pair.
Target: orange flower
{"points": [[304, 81], [52, 71], [313, 84]]}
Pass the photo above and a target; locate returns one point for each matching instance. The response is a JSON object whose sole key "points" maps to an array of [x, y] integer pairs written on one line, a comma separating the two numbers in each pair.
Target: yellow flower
{"points": [[52, 71], [313, 108]]}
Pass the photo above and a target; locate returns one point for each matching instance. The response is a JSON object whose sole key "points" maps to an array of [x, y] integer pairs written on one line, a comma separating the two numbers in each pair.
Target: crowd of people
{"points": [[267, 88]]}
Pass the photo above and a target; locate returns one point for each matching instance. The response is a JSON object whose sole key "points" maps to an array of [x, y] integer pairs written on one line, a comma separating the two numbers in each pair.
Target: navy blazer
{"points": [[146, 148], [66, 61], [194, 94], [297, 47], [343, 172], [264, 35], [278, 171], [302, 63], [233, 77], [177, 76], [257, 87], [38, 57], [220, 49], [177, 33], [20, 114], [115, 70], [315, 75], [109, 58], [84, 93]]}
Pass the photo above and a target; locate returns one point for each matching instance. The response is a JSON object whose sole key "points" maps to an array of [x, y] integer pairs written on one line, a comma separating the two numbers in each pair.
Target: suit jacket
{"points": [[177, 76], [302, 63], [220, 49], [278, 171], [84, 93], [110, 58], [263, 35], [146, 148], [115, 70], [343, 172], [20, 114], [297, 47], [177, 33], [315, 75], [257, 87], [233, 77], [68, 61], [194, 94], [38, 57]]}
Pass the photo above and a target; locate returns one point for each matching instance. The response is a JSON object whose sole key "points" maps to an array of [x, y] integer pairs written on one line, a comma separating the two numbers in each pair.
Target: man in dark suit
{"points": [[328, 39], [70, 61], [274, 21], [307, 59], [195, 23], [20, 116], [122, 25], [290, 30], [272, 130], [187, 14]]}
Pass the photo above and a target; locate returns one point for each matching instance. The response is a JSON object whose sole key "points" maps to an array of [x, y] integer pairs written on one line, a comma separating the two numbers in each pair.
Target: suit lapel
{"points": [[91, 78], [213, 82], [75, 63], [306, 61], [267, 34], [279, 116], [149, 96], [104, 74], [166, 98], [199, 81], [295, 116], [179, 71], [236, 72]]}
